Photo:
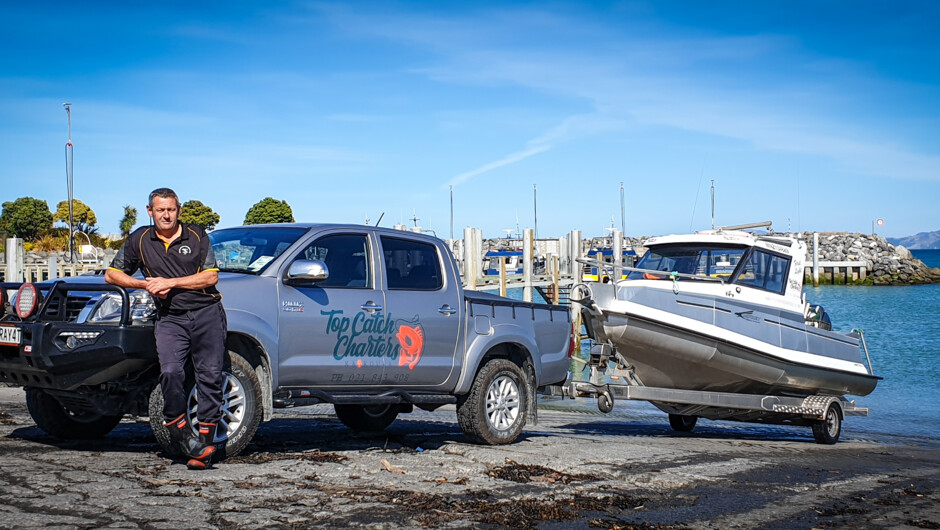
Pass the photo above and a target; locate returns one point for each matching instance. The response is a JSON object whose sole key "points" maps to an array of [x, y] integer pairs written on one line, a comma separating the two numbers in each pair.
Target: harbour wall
{"points": [[886, 264]]}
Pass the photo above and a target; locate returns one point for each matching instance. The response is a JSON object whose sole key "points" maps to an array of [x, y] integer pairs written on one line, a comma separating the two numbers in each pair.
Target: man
{"points": [[180, 272]]}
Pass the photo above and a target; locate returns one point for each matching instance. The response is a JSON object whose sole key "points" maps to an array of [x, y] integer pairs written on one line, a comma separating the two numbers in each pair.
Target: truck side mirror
{"points": [[307, 271]]}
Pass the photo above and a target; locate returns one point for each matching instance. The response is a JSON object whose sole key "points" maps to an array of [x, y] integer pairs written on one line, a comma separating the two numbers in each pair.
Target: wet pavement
{"points": [[575, 469]]}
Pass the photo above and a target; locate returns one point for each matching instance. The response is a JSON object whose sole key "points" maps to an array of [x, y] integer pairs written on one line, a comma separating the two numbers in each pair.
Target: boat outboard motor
{"points": [[819, 318]]}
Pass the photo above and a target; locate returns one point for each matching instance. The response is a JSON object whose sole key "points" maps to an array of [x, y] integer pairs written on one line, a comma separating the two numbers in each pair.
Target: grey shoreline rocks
{"points": [[887, 264]]}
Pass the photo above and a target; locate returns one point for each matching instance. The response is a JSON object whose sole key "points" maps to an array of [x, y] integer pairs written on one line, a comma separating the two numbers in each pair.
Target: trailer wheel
{"points": [[827, 430], [58, 420], [494, 411], [241, 409], [367, 418], [605, 402], [681, 423]]}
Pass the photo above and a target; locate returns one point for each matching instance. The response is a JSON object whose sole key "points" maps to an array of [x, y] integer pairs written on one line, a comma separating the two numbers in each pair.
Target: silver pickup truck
{"points": [[372, 320]]}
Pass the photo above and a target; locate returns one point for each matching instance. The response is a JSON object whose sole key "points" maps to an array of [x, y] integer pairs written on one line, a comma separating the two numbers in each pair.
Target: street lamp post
{"points": [[68, 176]]}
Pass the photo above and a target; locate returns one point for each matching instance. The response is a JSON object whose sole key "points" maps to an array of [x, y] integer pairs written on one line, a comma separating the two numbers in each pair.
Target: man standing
{"points": [[180, 272]]}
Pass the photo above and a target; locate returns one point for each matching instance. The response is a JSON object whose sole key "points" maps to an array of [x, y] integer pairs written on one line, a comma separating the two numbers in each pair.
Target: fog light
{"points": [[27, 299], [76, 339]]}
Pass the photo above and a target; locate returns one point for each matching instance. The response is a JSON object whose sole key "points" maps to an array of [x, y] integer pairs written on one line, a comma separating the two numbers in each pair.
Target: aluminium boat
{"points": [[723, 311]]}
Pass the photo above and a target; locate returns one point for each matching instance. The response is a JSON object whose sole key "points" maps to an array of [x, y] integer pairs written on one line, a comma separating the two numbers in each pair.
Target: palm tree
{"points": [[128, 221]]}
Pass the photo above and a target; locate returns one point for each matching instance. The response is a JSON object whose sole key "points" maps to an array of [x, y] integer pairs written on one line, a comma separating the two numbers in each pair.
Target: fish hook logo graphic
{"points": [[412, 343]]}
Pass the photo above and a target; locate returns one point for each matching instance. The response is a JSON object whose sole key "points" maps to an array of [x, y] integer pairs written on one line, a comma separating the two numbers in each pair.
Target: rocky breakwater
{"points": [[887, 264]]}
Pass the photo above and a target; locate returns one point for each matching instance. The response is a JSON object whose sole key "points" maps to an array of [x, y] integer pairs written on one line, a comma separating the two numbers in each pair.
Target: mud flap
{"points": [[532, 410]]}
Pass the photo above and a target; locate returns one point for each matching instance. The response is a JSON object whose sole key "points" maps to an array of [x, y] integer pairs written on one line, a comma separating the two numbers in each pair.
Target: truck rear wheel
{"points": [[494, 411], [58, 420], [241, 409], [367, 418]]}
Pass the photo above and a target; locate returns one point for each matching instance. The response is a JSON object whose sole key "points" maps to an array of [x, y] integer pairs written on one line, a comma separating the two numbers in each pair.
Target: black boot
{"points": [[182, 435], [203, 459]]}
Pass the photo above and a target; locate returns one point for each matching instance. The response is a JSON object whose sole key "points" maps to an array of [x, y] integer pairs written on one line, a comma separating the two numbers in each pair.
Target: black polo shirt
{"points": [[186, 255]]}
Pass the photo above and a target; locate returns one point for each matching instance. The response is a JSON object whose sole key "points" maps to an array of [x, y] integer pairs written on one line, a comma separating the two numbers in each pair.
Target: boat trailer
{"points": [[823, 413]]}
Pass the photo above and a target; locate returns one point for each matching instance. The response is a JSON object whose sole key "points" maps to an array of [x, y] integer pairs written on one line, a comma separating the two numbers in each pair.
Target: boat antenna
{"points": [[414, 217], [68, 177], [380, 219], [451, 212], [713, 204]]}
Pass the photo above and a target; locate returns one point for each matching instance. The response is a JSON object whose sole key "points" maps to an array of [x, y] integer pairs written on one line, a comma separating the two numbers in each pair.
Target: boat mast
{"points": [[623, 223]]}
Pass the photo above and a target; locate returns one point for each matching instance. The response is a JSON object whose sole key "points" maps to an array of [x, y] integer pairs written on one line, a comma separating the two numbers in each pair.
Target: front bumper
{"points": [[43, 360]]}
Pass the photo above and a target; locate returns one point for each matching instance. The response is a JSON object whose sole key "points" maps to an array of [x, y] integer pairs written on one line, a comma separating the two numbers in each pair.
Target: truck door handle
{"points": [[370, 307], [446, 310]]}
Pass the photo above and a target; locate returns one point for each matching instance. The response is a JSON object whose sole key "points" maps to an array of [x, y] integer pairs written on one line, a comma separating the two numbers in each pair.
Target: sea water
{"points": [[902, 329]]}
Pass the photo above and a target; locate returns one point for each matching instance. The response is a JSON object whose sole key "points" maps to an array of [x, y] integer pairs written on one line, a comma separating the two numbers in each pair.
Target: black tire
{"points": [[605, 402], [58, 420], [680, 423], [241, 409], [827, 430], [367, 418], [494, 411]]}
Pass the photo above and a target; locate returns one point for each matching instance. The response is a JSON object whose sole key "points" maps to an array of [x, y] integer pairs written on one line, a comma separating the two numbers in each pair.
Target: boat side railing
{"points": [[663, 274], [861, 336]]}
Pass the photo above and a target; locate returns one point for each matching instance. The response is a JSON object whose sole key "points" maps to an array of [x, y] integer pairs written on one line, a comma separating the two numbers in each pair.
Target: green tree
{"points": [[25, 217], [197, 213], [128, 221], [83, 217], [269, 210]]}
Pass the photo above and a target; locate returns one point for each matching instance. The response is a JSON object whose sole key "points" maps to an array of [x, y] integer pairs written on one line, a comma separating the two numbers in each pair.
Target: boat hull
{"points": [[670, 357]]}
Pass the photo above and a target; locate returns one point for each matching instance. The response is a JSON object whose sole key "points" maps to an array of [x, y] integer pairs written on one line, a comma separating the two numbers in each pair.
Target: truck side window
{"points": [[347, 258], [411, 264]]}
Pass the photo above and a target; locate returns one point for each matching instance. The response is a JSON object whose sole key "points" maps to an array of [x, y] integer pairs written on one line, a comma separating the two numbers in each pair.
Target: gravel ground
{"points": [[573, 470]]}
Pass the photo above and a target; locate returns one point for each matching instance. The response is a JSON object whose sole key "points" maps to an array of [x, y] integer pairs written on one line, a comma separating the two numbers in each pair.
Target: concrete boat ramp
{"points": [[575, 469]]}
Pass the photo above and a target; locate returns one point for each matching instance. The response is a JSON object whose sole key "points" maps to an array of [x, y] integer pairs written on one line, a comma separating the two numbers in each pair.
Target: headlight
{"points": [[108, 308]]}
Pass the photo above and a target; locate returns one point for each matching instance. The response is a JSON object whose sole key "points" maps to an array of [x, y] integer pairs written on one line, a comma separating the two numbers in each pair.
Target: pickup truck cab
{"points": [[372, 320]]}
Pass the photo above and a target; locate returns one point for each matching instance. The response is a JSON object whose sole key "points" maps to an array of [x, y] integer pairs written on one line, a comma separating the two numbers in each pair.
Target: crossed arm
{"points": [[160, 287]]}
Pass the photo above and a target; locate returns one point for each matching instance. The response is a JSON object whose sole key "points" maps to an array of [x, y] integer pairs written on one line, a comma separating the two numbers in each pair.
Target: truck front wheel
{"points": [[367, 418], [494, 411], [241, 409], [58, 420]]}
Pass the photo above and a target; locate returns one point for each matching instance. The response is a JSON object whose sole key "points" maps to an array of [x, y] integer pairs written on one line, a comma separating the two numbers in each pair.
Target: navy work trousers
{"points": [[199, 335]]}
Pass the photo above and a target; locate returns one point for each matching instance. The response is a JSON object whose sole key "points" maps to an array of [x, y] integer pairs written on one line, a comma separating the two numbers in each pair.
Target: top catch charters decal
{"points": [[375, 336]]}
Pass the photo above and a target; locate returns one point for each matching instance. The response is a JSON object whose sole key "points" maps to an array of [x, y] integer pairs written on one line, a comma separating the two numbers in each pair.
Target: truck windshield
{"points": [[717, 261], [250, 250]]}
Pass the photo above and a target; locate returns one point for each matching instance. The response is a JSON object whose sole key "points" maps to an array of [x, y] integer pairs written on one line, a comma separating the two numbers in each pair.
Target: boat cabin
{"points": [[513, 262], [607, 256], [772, 264]]}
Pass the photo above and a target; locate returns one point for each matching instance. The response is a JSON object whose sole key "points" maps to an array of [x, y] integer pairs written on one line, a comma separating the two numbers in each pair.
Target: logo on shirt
{"points": [[185, 250]]}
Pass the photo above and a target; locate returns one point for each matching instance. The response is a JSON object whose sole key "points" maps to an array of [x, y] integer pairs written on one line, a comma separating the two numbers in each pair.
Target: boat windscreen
{"points": [[716, 261]]}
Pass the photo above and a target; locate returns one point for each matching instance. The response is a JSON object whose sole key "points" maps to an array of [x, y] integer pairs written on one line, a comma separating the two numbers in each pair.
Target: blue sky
{"points": [[814, 115]]}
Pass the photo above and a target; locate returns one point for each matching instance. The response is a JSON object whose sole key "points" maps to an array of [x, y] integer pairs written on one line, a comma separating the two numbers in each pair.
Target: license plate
{"points": [[10, 335]]}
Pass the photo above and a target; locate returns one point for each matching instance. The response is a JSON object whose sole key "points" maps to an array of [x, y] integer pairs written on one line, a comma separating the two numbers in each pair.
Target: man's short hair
{"points": [[164, 193]]}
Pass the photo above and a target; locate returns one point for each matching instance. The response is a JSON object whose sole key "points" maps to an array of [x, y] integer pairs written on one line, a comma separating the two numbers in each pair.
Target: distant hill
{"points": [[919, 241]]}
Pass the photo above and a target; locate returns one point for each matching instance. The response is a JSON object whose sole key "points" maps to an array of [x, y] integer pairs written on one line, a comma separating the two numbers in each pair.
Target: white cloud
{"points": [[510, 159]]}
